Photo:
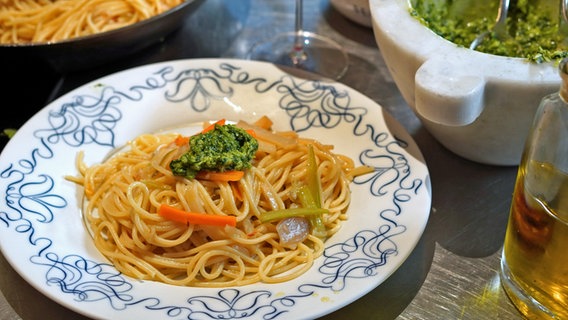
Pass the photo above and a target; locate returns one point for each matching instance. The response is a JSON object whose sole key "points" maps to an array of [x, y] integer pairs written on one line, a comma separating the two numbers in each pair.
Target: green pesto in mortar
{"points": [[533, 26]]}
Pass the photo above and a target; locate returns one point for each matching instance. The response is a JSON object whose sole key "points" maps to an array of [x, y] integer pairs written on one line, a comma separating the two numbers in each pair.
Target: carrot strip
{"points": [[181, 140], [251, 132], [220, 122], [231, 175], [178, 215]]}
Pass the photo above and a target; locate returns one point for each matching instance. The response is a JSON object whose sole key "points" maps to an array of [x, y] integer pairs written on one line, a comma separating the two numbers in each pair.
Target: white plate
{"points": [[43, 238]]}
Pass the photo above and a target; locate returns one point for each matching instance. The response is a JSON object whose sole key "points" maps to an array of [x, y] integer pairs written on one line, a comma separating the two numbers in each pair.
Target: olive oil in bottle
{"points": [[534, 264]]}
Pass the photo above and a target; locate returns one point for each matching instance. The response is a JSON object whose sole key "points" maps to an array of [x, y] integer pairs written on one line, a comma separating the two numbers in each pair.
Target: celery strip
{"points": [[313, 179], [316, 221], [314, 186], [289, 213]]}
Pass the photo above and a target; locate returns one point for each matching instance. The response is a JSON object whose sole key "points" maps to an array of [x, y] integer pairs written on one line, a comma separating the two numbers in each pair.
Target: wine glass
{"points": [[303, 50]]}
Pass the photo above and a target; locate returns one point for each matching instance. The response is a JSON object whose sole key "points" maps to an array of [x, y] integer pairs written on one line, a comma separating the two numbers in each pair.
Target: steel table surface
{"points": [[453, 271]]}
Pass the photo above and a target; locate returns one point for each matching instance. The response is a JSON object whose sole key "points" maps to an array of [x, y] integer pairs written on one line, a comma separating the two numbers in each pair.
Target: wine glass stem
{"points": [[298, 54]]}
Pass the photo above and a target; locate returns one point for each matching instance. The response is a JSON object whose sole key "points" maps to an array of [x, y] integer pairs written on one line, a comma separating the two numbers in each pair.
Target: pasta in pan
{"points": [[126, 193], [40, 21]]}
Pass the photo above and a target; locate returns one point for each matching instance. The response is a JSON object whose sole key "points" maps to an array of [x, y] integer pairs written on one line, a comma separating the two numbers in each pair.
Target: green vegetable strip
{"points": [[314, 187], [289, 213], [316, 221], [313, 180]]}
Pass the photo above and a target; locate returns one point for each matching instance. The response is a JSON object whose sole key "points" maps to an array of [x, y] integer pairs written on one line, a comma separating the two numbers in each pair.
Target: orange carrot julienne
{"points": [[181, 140], [178, 215], [220, 122], [231, 175], [251, 132]]}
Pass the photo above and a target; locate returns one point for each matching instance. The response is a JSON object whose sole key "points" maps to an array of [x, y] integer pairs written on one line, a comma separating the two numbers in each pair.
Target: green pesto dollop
{"points": [[226, 147], [533, 26]]}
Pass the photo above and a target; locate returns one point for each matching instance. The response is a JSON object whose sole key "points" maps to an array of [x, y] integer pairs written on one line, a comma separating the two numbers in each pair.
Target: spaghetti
{"points": [[43, 21], [124, 195]]}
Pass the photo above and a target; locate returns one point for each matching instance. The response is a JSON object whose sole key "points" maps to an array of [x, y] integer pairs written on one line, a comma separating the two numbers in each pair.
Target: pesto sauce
{"points": [[227, 147], [533, 29]]}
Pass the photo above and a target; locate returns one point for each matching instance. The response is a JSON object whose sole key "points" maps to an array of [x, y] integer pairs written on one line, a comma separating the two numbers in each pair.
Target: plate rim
{"points": [[267, 68]]}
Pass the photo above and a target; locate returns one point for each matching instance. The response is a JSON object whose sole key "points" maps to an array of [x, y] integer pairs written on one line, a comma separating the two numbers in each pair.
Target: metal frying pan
{"points": [[89, 51]]}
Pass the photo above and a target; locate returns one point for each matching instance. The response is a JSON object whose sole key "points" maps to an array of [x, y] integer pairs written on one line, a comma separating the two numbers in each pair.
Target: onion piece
{"points": [[293, 231], [267, 135]]}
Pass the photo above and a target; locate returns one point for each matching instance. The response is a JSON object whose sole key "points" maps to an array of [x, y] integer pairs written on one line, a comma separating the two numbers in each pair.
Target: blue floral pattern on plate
{"points": [[41, 210]]}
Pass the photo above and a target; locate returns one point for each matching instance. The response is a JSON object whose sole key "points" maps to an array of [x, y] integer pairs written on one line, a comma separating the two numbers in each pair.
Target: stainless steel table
{"points": [[453, 271]]}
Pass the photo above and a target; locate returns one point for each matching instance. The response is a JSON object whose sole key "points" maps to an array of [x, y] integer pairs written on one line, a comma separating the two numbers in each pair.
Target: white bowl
{"points": [[480, 106]]}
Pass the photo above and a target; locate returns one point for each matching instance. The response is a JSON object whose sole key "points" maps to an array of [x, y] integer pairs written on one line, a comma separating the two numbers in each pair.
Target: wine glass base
{"points": [[316, 54]]}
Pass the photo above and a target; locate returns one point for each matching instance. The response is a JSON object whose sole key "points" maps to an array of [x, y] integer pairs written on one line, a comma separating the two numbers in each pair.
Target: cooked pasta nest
{"points": [[49, 21], [125, 192]]}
